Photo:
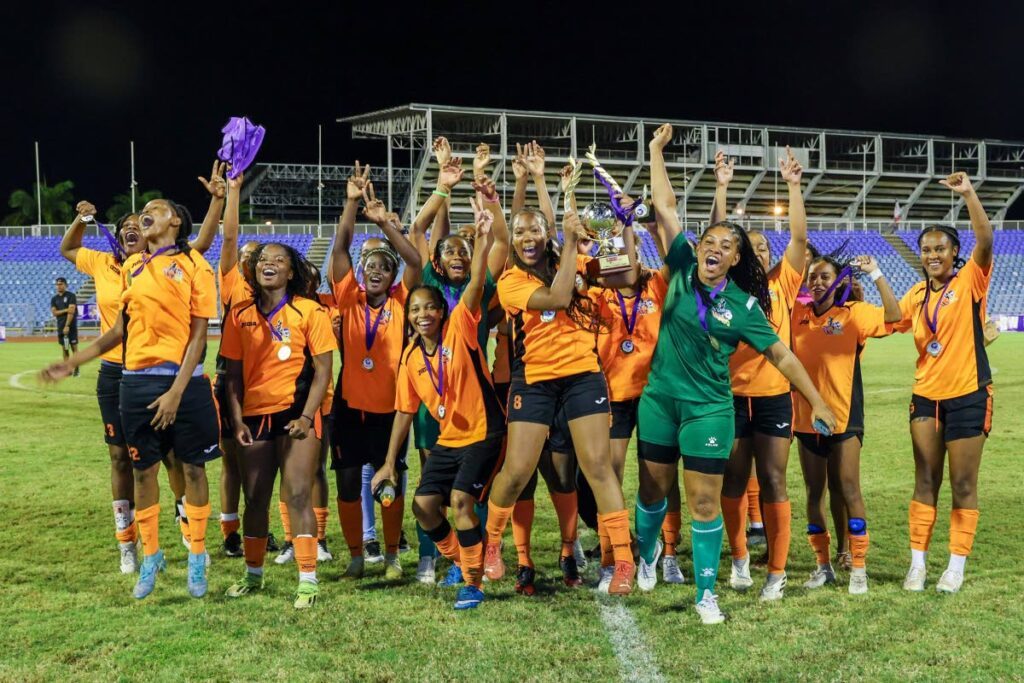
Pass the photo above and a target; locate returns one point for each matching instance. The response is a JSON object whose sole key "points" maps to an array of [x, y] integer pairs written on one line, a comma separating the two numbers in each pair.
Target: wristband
{"points": [[875, 274], [439, 193], [308, 418]]}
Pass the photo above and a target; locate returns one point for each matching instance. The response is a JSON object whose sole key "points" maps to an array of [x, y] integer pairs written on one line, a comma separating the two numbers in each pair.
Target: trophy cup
{"points": [[604, 223]]}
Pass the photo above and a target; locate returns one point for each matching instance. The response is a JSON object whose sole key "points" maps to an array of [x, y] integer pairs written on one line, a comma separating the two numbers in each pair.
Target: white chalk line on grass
{"points": [[636, 662], [15, 382]]}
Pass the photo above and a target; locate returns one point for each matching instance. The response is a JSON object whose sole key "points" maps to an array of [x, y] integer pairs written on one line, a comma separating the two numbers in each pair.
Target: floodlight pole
{"points": [[39, 190], [319, 178], [131, 145]]}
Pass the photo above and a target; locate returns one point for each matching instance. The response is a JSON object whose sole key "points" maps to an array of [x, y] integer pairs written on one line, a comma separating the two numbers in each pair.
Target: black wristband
{"points": [[311, 421]]}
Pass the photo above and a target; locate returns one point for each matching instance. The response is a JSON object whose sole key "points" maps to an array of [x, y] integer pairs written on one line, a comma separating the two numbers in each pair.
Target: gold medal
{"points": [[284, 352], [441, 411]]}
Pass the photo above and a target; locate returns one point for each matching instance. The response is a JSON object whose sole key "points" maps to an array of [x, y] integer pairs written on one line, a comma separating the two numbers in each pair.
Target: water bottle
{"points": [[385, 493]]}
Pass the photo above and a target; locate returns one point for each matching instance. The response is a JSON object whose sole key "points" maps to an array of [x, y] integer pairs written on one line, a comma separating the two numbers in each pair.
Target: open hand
{"points": [[535, 158], [482, 159], [442, 151], [723, 168], [485, 186], [451, 173], [790, 168]]}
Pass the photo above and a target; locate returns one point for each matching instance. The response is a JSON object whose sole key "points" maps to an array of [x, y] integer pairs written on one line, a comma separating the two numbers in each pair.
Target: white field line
{"points": [[15, 382], [636, 662]]}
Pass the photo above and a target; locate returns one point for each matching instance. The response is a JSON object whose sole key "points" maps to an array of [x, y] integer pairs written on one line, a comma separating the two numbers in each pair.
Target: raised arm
{"points": [[72, 241], [796, 251], [443, 155], [535, 166], [107, 341], [559, 294], [474, 291], [522, 180], [890, 303], [662, 195], [341, 261], [436, 204], [229, 243], [983, 237], [215, 186], [391, 226], [723, 176], [487, 198]]}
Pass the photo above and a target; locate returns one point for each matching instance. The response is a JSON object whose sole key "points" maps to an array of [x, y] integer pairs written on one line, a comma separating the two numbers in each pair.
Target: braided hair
{"points": [[387, 252], [184, 230], [748, 273], [954, 238], [301, 282]]}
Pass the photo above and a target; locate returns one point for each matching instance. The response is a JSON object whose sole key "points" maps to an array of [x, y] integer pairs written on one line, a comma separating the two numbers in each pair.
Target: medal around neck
{"points": [[368, 364], [284, 352], [627, 346], [934, 348]]}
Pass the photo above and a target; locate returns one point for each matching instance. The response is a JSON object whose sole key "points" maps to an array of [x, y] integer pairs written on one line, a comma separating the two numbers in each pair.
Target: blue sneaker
{"points": [[196, 575], [452, 578], [151, 564], [468, 597]]}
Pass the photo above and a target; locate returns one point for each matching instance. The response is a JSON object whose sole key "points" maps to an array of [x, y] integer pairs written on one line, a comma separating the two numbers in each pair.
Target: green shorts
{"points": [[425, 429], [695, 429]]}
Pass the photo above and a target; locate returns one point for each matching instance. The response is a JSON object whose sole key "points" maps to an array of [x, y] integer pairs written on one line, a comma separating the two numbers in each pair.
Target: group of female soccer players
{"points": [[718, 359]]}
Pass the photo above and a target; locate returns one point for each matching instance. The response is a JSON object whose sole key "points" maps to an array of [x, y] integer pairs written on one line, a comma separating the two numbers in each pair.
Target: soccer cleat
{"points": [[452, 578], [233, 545], [579, 555], [524, 580], [739, 578], [392, 568], [820, 577], [622, 578], [322, 553], [915, 579], [129, 557], [287, 554], [708, 609], [306, 595], [756, 537], [76, 373], [355, 568], [647, 574], [843, 560], [403, 544], [570, 571], [494, 566], [773, 587], [604, 578], [594, 553], [151, 564], [196, 575], [371, 551], [272, 545], [950, 581], [425, 571], [858, 581], [468, 597], [670, 571], [250, 583]]}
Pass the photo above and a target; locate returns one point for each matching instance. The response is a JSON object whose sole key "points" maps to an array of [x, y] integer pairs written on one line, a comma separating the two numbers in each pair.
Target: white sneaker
{"points": [[915, 579], [670, 571], [187, 543], [647, 574], [604, 578], [286, 555], [858, 581], [708, 609], [392, 567], [820, 577], [425, 571], [950, 581], [129, 557], [579, 555], [322, 553], [773, 587], [740, 579]]}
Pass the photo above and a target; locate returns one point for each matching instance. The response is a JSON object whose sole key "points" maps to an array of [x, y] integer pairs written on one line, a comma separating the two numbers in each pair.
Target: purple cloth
{"points": [[242, 139], [625, 214]]}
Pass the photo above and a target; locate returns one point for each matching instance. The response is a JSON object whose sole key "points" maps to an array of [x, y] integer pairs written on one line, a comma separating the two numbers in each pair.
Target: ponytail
{"points": [[184, 230]]}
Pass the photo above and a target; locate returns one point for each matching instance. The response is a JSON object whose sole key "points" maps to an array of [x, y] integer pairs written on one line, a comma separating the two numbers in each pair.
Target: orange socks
{"points": [[670, 532], [607, 557], [449, 546], [286, 520], [197, 518], [922, 523], [963, 524], [777, 517], [473, 563], [321, 515], [733, 510], [255, 551], [858, 549], [567, 509], [392, 522], [351, 515], [229, 523], [820, 541], [305, 555], [497, 520], [617, 526], [522, 527], [148, 520], [754, 501]]}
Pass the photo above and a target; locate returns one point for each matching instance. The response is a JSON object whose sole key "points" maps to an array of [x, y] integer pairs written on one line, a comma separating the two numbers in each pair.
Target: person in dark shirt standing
{"points": [[64, 307]]}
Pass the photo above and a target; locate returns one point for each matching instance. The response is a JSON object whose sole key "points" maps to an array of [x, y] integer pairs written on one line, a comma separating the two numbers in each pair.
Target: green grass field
{"points": [[68, 614]]}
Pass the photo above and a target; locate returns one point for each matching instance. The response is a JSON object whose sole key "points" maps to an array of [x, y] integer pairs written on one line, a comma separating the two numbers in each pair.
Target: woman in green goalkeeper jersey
{"points": [[717, 297]]}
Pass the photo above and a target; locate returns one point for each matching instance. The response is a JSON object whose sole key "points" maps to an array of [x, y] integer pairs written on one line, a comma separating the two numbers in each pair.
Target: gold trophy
{"points": [[604, 223]]}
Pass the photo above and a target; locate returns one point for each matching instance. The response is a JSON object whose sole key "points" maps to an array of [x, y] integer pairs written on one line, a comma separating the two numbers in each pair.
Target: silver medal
{"points": [[368, 364], [714, 342], [934, 348], [627, 346], [284, 352], [547, 316], [441, 411]]}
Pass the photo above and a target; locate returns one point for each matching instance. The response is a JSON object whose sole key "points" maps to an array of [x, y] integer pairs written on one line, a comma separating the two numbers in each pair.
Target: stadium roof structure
{"points": [[849, 176]]}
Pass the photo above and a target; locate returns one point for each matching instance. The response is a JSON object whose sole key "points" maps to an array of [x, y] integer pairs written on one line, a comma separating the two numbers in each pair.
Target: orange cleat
{"points": [[622, 579], [494, 566]]}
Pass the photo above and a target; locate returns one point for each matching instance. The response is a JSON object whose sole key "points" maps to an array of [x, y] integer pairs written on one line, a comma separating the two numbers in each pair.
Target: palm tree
{"points": [[56, 203], [123, 203]]}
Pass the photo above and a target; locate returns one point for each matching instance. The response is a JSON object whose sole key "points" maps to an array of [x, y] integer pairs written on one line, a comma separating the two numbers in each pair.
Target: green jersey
{"points": [[453, 293], [691, 364]]}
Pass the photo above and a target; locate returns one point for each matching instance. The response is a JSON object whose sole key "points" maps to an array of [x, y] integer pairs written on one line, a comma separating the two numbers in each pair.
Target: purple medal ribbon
{"points": [[702, 309], [630, 319], [119, 253], [270, 316], [845, 274], [145, 261], [371, 334], [933, 321], [242, 140], [439, 384], [452, 296]]}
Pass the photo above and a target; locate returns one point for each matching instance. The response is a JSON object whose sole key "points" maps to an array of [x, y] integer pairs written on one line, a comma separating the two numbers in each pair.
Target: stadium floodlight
{"points": [[739, 210], [777, 210]]}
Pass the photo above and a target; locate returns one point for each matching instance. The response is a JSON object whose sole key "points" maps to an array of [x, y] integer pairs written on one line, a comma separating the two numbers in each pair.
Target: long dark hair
{"points": [[302, 275], [839, 259], [184, 230], [954, 237], [581, 309], [748, 273]]}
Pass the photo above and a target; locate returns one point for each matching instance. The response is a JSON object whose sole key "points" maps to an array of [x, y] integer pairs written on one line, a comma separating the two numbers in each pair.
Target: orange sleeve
{"points": [[87, 260], [466, 324], [346, 290], [790, 281], [515, 289], [406, 398], [909, 309], [979, 277], [581, 263], [231, 341], [657, 288], [870, 321], [319, 333], [204, 292]]}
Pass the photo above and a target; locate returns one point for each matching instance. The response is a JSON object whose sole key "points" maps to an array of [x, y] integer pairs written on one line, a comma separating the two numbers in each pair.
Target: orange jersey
{"points": [[501, 371], [327, 301], [468, 411], [961, 365], [274, 379], [752, 374], [626, 358], [161, 296], [233, 288], [106, 273], [829, 346], [548, 343], [368, 375]]}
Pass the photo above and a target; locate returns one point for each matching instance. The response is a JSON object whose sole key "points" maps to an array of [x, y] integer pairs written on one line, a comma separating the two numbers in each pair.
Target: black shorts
{"points": [[360, 438], [501, 389], [195, 434], [220, 393], [108, 395], [821, 446], [957, 418], [624, 418], [577, 396], [72, 335], [269, 427], [468, 469], [770, 415]]}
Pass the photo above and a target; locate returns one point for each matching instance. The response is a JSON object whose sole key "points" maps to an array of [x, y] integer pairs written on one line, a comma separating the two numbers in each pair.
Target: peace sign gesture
{"points": [[215, 185], [958, 182], [723, 168], [790, 168], [374, 209], [442, 151], [357, 182]]}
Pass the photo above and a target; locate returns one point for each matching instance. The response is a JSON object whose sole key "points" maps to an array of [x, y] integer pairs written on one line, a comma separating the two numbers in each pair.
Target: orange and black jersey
{"points": [[106, 273], [501, 371], [461, 398], [233, 287], [546, 344], [829, 346], [958, 365], [752, 374], [161, 296], [274, 380]]}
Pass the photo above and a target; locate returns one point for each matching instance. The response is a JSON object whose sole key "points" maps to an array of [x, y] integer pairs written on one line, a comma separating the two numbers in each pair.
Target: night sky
{"points": [[85, 78]]}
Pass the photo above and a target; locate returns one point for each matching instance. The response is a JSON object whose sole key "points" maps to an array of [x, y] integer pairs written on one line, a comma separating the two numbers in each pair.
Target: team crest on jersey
{"points": [[446, 353], [579, 283], [283, 333], [547, 316], [833, 327], [647, 307], [949, 298], [722, 313], [174, 272]]}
